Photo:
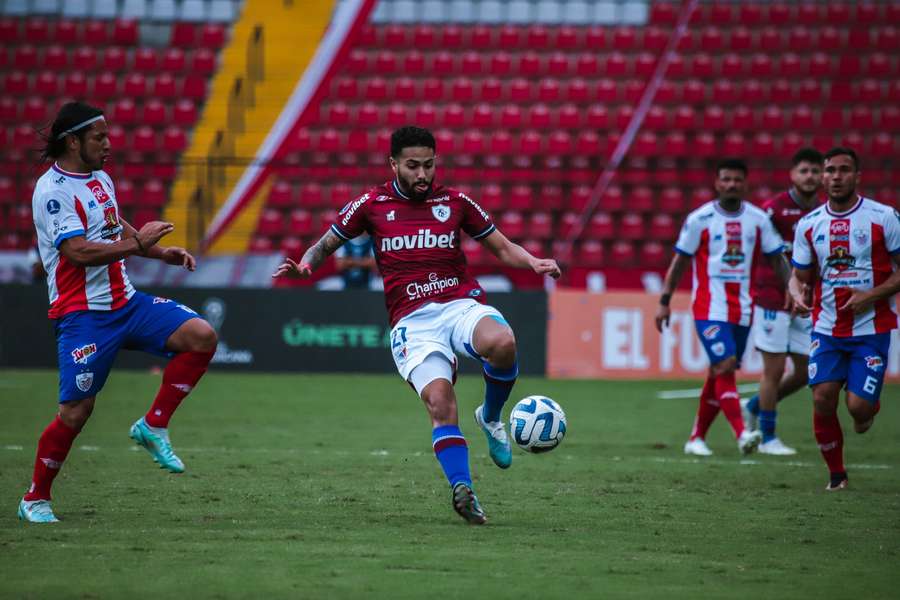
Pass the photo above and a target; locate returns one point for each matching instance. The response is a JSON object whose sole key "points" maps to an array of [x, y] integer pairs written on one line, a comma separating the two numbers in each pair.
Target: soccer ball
{"points": [[537, 424]]}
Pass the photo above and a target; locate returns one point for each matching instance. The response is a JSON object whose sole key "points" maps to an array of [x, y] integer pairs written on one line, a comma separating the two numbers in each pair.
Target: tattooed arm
{"points": [[312, 258]]}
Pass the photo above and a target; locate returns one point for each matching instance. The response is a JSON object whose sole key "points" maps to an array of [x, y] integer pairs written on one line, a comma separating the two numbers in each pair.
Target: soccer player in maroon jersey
{"points": [[777, 333], [437, 310], [83, 243], [846, 256]]}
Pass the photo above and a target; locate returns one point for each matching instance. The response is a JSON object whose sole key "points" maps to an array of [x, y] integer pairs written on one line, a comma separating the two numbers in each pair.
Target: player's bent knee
{"points": [[729, 365], [860, 408], [76, 413]]}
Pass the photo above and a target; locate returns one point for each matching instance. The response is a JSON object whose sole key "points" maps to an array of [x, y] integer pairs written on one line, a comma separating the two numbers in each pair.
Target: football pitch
{"points": [[325, 486]]}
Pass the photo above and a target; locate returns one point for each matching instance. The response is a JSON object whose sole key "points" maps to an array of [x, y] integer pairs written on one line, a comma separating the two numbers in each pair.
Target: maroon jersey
{"points": [[783, 210], [417, 243]]}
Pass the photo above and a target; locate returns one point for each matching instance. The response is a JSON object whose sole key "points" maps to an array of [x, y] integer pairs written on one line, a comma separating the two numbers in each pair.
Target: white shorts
{"points": [[442, 328], [777, 332]]}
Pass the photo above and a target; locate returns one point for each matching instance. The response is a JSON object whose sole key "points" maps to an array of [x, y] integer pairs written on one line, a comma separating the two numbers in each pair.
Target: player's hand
{"points": [[859, 301], [799, 302], [662, 317], [179, 257], [153, 231], [546, 266], [292, 269]]}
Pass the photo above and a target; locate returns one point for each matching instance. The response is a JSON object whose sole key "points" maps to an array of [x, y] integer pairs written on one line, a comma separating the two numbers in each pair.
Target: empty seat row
{"points": [[568, 116], [103, 33], [616, 65], [780, 13], [223, 11], [579, 90], [798, 37], [112, 58]]}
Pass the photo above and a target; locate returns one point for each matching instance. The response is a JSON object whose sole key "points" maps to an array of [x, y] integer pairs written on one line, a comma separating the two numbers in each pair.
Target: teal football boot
{"points": [[498, 440], [36, 511], [156, 441]]}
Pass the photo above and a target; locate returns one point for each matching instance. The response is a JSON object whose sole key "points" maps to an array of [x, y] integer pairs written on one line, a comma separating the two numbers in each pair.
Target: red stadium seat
{"points": [[117, 138], [663, 13], [424, 36], [173, 60], [734, 145], [606, 91], [85, 57], [622, 254], [125, 112], [385, 62], [174, 140], [291, 246], [311, 196], [701, 66], [260, 245], [144, 140], [153, 194], [212, 36], [799, 39], [154, 113], [471, 65], [194, 87], [830, 40], [55, 57], [426, 115], [145, 59], [301, 223], [25, 57], [164, 86], [9, 30], [15, 83], [590, 253], [512, 224], [184, 35], [394, 36], [500, 64], [125, 32], [616, 66], [95, 33], [75, 85], [482, 116], [203, 61], [501, 143], [35, 110], [9, 110], [588, 143], [888, 38], [693, 92], [600, 227], [280, 195], [568, 117]]}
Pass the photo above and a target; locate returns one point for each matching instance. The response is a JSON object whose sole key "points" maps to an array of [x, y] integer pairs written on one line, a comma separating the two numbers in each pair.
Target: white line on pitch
{"points": [[695, 392], [752, 462], [13, 447]]}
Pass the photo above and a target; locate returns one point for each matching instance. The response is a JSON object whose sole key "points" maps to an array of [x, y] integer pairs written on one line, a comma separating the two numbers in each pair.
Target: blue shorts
{"points": [[722, 340], [87, 341], [860, 361]]}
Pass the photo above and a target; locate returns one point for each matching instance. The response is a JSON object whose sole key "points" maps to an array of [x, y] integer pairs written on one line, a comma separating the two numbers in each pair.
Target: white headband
{"points": [[79, 126]]}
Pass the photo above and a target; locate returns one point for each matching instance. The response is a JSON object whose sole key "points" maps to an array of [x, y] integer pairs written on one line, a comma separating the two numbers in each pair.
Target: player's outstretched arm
{"points": [[172, 255], [861, 300], [312, 258], [79, 251], [676, 271], [514, 255]]}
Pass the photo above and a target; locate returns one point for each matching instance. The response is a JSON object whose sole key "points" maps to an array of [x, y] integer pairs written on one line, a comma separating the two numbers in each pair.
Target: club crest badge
{"points": [[84, 381], [441, 212]]}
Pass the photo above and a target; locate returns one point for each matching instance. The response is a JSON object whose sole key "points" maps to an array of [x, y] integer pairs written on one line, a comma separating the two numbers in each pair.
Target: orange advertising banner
{"points": [[613, 336]]}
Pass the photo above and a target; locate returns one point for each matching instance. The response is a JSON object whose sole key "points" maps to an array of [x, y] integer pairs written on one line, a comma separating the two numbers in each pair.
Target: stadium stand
{"points": [[145, 62], [528, 98]]}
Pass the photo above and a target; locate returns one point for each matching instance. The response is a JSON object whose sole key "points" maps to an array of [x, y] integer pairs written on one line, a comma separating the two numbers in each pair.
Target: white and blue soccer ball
{"points": [[537, 424]]}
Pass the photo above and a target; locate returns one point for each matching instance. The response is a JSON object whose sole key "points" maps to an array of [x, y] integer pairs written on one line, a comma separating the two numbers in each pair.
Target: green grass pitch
{"points": [[325, 486]]}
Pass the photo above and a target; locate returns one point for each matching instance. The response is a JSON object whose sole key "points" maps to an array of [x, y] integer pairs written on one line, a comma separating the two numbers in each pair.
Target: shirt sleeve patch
{"points": [[64, 236]]}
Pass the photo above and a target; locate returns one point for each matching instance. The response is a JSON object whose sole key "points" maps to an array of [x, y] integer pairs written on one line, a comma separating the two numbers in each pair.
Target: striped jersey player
{"points": [[721, 238], [83, 243], [437, 310], [847, 270]]}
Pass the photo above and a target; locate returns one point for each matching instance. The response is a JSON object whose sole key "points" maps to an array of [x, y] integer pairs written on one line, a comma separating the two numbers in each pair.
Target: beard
{"points": [[92, 164]]}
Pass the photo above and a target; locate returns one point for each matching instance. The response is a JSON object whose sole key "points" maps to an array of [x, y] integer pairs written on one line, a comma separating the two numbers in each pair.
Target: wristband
{"points": [[140, 245], [665, 299]]}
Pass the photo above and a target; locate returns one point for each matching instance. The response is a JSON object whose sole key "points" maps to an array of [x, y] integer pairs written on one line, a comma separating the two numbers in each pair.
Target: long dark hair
{"points": [[70, 115]]}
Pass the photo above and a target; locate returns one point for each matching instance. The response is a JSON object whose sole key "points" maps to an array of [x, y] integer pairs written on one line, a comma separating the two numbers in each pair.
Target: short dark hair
{"points": [[70, 115], [411, 137], [842, 151], [810, 155], [735, 164]]}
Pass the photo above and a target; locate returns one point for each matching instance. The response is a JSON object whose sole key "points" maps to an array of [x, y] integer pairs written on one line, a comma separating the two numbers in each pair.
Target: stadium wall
{"points": [[272, 330]]}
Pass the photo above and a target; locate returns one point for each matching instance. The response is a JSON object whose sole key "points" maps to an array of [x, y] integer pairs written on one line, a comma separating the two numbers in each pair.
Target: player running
{"points": [[848, 251], [776, 332], [83, 243], [436, 308], [721, 237]]}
